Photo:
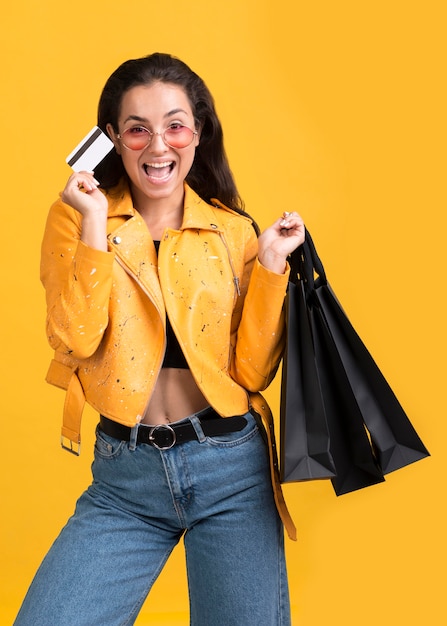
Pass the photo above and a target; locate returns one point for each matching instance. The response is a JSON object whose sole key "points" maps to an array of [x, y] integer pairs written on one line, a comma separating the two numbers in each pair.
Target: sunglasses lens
{"points": [[136, 138], [178, 136]]}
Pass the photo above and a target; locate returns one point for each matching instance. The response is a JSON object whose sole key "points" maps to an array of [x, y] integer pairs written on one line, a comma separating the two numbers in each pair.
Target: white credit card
{"points": [[90, 151]]}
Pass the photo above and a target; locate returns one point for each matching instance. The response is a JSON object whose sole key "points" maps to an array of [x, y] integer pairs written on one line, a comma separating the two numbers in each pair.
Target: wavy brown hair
{"points": [[210, 175]]}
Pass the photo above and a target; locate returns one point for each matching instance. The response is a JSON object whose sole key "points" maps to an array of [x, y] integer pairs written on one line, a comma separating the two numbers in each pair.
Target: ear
{"points": [[114, 138]]}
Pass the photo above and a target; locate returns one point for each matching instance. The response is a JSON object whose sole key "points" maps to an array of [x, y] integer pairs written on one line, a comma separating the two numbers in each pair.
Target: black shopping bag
{"points": [[369, 432], [304, 440]]}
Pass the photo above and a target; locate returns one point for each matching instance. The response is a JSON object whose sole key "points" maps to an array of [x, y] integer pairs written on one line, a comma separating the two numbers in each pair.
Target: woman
{"points": [[165, 314]]}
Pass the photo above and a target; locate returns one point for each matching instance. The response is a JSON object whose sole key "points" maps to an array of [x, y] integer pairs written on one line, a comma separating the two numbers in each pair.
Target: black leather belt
{"points": [[165, 436]]}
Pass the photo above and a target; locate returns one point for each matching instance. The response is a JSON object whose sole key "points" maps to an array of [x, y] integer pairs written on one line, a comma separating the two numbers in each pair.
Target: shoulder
{"points": [[214, 215], [231, 213]]}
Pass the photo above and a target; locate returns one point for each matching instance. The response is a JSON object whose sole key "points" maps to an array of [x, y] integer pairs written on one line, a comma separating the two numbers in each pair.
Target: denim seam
{"points": [[138, 604], [175, 501], [102, 441]]}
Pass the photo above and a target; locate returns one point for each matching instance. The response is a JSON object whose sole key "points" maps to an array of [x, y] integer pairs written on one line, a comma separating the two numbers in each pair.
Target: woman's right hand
{"points": [[81, 192]]}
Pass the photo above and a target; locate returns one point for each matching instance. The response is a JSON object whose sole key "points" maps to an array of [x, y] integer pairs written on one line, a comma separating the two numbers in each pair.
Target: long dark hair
{"points": [[210, 175]]}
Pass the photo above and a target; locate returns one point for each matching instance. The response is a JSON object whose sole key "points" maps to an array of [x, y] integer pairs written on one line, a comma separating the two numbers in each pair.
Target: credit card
{"points": [[90, 151]]}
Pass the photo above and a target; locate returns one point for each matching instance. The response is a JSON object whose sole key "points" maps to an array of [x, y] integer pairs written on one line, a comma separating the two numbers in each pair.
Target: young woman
{"points": [[165, 314]]}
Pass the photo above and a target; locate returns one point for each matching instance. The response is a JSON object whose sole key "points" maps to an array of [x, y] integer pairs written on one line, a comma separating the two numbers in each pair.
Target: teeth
{"points": [[159, 165]]}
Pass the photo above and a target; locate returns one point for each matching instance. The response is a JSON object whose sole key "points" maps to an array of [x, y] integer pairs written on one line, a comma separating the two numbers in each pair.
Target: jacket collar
{"points": [[198, 214]]}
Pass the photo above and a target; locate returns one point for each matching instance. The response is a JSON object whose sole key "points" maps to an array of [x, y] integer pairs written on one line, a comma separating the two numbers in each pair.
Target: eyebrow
{"points": [[137, 118]]}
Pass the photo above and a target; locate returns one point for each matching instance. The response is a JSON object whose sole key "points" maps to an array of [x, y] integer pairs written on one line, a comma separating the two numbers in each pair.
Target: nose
{"points": [[157, 144]]}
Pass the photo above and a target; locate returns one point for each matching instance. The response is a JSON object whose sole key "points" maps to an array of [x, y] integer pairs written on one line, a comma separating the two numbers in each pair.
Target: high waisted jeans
{"points": [[216, 492]]}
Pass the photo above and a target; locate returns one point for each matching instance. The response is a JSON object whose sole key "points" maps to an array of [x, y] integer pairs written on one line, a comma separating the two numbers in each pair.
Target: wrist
{"points": [[273, 262], [94, 230]]}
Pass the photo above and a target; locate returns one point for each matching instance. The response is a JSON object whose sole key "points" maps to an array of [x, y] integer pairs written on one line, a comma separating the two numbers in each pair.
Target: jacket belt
{"points": [[73, 408], [261, 408]]}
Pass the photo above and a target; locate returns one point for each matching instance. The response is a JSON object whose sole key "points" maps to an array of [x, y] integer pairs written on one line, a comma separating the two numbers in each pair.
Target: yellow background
{"points": [[336, 109]]}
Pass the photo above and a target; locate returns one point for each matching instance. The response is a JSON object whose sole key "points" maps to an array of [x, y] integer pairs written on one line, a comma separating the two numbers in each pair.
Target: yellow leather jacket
{"points": [[107, 312]]}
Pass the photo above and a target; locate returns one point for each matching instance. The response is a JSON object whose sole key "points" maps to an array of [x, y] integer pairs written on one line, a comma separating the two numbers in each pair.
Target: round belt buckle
{"points": [[162, 427]]}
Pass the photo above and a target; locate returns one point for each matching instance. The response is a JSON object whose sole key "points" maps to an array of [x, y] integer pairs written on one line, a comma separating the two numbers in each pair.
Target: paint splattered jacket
{"points": [[107, 310]]}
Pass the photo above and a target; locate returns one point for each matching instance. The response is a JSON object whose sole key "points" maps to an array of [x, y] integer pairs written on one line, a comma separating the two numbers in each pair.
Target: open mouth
{"points": [[158, 171]]}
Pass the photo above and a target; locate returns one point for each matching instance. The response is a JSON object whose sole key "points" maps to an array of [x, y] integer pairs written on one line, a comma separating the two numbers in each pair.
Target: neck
{"points": [[159, 213]]}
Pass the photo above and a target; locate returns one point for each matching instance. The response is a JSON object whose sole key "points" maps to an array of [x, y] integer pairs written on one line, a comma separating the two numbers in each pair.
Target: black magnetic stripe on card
{"points": [[85, 146]]}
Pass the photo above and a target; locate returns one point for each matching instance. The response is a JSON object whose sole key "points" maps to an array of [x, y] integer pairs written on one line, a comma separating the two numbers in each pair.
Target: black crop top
{"points": [[174, 356]]}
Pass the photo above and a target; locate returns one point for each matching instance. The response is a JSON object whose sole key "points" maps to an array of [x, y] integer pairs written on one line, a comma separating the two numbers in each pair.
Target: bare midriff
{"points": [[176, 395]]}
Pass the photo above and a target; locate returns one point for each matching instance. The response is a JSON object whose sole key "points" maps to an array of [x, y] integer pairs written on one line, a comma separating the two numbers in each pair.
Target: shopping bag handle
{"points": [[306, 265]]}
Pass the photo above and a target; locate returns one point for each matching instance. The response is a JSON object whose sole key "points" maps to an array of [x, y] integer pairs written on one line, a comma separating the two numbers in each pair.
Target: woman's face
{"points": [[157, 172]]}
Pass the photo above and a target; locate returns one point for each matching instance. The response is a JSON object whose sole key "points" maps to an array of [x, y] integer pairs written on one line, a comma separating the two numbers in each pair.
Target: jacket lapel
{"points": [[130, 240]]}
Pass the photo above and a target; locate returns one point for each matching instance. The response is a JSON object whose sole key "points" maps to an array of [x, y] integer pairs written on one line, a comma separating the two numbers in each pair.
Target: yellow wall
{"points": [[336, 109]]}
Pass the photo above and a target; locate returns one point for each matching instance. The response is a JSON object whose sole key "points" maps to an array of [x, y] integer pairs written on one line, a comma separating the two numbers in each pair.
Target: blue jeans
{"points": [[216, 492]]}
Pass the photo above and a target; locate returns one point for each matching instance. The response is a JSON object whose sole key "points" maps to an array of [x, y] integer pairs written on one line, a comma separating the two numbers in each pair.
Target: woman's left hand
{"points": [[279, 240]]}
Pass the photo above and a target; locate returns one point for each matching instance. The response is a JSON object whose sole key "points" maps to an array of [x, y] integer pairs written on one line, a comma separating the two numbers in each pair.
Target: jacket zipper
{"points": [[235, 277]]}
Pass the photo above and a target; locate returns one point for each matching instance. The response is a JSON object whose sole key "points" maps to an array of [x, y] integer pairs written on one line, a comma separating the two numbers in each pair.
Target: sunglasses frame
{"points": [[151, 135]]}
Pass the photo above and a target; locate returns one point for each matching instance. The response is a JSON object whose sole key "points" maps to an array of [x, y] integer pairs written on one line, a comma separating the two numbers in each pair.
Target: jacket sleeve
{"points": [[77, 281], [259, 338]]}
